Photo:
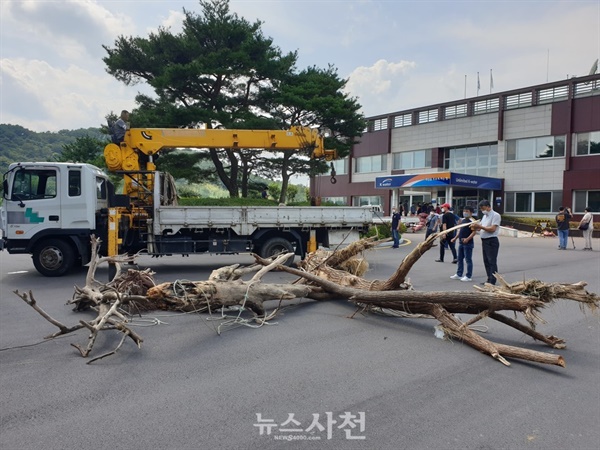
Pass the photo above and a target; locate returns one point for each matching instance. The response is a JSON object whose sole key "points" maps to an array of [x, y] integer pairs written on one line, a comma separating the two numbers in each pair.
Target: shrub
{"points": [[382, 231], [226, 201], [532, 222]]}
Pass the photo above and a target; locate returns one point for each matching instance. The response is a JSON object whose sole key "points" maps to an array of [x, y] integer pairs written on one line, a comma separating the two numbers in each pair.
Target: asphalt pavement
{"points": [[314, 378]]}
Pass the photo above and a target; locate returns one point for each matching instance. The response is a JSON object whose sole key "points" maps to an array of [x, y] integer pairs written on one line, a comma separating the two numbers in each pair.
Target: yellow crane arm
{"points": [[150, 141]]}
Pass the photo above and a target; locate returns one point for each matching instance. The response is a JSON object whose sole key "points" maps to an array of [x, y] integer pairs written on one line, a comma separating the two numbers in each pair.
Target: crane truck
{"points": [[51, 209]]}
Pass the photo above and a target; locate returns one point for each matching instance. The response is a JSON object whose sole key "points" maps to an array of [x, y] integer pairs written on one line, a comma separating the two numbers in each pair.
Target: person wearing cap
{"points": [[489, 229], [447, 221], [465, 238]]}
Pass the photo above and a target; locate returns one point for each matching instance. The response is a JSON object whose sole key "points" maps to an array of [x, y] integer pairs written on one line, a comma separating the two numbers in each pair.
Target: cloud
{"points": [[396, 55], [173, 21], [374, 85], [58, 98], [70, 28]]}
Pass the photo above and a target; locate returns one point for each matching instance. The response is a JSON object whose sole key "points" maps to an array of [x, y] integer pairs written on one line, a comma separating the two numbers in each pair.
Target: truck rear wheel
{"points": [[275, 246], [53, 257]]}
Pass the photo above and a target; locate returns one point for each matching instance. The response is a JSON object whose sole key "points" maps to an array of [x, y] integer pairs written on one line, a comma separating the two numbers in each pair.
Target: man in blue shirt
{"points": [[465, 247]]}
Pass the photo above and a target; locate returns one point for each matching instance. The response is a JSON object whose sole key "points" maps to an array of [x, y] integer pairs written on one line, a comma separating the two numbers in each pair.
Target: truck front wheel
{"points": [[275, 246], [53, 257]]}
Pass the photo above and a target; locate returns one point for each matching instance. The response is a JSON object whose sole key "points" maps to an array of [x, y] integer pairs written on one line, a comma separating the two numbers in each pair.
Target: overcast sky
{"points": [[396, 54]]}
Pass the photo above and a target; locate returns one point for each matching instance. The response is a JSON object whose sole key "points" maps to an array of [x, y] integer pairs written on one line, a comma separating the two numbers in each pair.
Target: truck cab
{"points": [[50, 210]]}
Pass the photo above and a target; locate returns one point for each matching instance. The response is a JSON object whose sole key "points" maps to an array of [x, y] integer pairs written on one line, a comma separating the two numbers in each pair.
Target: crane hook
{"points": [[333, 180]]}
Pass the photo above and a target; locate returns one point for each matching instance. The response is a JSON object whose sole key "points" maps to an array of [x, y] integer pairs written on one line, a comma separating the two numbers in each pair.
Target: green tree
{"points": [[292, 191], [220, 70], [85, 149], [210, 73], [274, 190], [189, 165], [315, 98]]}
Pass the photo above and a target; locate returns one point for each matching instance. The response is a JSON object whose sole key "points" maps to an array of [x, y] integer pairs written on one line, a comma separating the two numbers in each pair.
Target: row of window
{"points": [[552, 146], [418, 159], [523, 99], [550, 201], [482, 159], [516, 202]]}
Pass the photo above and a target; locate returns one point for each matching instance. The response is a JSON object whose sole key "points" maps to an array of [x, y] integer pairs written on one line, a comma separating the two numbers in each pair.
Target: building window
{"points": [[587, 143], [481, 160], [340, 166], [523, 202], [367, 200], [486, 106], [430, 115], [535, 148], [366, 164], [537, 202], [379, 124], [554, 94], [585, 199], [455, 111], [403, 120], [519, 100], [339, 201], [542, 202], [418, 159]]}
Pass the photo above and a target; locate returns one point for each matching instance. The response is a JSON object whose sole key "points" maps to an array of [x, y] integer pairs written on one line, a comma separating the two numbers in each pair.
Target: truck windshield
{"points": [[31, 184]]}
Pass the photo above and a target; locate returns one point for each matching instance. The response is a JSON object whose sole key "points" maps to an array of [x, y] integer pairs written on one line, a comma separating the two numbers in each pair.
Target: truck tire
{"points": [[275, 246], [53, 257]]}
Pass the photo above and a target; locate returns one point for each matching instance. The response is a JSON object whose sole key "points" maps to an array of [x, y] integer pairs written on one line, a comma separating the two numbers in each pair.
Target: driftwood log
{"points": [[323, 275]]}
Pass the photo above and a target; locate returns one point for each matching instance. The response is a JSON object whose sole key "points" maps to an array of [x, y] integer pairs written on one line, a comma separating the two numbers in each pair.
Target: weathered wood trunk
{"points": [[324, 275]]}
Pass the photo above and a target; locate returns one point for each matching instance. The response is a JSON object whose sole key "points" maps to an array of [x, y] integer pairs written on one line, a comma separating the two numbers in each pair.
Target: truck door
{"points": [[78, 205], [34, 204]]}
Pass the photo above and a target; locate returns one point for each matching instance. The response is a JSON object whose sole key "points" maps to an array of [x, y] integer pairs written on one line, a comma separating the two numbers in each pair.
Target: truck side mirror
{"points": [[5, 189]]}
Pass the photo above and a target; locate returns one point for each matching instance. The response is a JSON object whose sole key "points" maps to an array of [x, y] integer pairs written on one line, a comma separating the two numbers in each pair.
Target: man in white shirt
{"points": [[489, 228]]}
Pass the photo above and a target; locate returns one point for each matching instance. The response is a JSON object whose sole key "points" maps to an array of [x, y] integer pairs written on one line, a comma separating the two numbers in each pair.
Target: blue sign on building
{"points": [[437, 179]]}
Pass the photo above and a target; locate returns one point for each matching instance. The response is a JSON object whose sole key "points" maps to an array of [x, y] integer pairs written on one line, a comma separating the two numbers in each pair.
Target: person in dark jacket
{"points": [[562, 226], [396, 228], [448, 220]]}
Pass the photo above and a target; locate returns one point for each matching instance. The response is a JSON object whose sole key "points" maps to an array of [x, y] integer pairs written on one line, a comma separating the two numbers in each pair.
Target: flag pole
{"points": [[491, 81], [478, 84]]}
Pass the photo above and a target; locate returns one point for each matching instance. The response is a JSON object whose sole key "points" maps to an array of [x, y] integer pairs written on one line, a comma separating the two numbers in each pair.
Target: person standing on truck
{"points": [[120, 127], [396, 228]]}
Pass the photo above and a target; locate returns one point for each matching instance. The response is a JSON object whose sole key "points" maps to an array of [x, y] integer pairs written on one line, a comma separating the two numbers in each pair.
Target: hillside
{"points": [[20, 144]]}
